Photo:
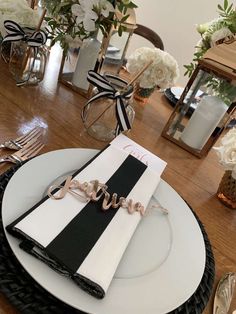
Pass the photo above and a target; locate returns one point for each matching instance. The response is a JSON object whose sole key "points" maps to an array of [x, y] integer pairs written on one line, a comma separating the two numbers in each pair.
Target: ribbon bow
{"points": [[106, 89], [16, 33]]}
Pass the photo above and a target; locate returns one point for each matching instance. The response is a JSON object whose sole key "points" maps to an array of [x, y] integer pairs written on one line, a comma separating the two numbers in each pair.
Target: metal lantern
{"points": [[118, 45], [101, 53], [79, 60], [207, 102]]}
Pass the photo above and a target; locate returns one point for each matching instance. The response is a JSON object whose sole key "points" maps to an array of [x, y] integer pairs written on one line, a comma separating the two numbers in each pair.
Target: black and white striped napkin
{"points": [[79, 239]]}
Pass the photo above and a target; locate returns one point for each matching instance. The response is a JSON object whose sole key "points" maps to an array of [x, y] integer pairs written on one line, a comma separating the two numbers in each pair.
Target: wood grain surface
{"points": [[57, 108]]}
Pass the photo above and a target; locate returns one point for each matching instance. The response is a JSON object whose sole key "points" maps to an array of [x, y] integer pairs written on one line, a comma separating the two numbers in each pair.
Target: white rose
{"points": [[228, 157], [202, 28], [229, 138], [227, 151], [219, 35]]}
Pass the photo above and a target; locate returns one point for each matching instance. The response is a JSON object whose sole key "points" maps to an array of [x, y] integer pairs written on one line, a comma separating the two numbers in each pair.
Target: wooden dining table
{"points": [[57, 109]]}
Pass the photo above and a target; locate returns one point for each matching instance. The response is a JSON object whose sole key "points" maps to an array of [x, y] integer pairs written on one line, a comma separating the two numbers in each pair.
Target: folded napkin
{"points": [[80, 239]]}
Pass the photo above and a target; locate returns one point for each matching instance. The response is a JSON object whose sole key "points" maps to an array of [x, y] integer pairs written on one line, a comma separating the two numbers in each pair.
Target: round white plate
{"points": [[161, 268]]}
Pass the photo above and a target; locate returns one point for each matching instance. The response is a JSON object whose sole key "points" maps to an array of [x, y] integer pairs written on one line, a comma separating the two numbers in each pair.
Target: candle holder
{"points": [[211, 90], [109, 111], [227, 190], [100, 53], [118, 45]]}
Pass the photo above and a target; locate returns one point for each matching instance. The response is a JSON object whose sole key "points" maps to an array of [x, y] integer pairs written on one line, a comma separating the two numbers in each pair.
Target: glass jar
{"points": [[227, 190], [5, 50], [100, 116], [27, 64]]}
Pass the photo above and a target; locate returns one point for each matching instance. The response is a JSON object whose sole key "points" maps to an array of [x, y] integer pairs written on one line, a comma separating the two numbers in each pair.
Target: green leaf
{"points": [[124, 18], [220, 7], [120, 30], [115, 23], [132, 5], [225, 4], [120, 7], [230, 8]]}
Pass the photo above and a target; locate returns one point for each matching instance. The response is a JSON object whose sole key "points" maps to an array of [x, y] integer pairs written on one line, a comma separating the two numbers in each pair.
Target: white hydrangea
{"points": [[19, 12], [163, 72]]}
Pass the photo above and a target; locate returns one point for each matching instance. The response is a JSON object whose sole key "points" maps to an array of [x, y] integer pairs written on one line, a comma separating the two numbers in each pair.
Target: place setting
{"points": [[154, 254], [113, 211]]}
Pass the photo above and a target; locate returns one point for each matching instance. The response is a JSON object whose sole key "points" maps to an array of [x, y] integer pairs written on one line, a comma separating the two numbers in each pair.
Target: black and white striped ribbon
{"points": [[105, 89], [16, 33]]}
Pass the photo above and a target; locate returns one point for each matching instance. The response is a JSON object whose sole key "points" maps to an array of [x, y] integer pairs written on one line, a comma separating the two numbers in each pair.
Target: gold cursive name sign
{"points": [[94, 191]]}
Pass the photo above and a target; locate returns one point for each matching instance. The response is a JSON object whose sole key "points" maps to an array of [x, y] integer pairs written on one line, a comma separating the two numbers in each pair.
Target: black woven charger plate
{"points": [[28, 297]]}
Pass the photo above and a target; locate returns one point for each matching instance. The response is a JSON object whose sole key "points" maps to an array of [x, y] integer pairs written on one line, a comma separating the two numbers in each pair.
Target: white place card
{"points": [[152, 161]]}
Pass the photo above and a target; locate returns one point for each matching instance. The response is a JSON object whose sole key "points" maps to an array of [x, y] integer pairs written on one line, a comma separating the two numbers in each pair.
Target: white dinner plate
{"points": [[177, 92], [161, 268]]}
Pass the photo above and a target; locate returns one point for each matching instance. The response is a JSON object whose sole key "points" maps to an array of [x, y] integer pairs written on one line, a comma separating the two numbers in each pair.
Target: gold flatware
{"points": [[21, 141], [31, 149], [224, 294]]}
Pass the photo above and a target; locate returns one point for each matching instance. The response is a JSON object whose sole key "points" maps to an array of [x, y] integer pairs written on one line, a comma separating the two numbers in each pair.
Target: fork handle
{"points": [[7, 159], [11, 145]]}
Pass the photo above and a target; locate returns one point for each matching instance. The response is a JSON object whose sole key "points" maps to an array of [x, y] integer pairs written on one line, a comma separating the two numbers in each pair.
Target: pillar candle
{"points": [[88, 55], [203, 122]]}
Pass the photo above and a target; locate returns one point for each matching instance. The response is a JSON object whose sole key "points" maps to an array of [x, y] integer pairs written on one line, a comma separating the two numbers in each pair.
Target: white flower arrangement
{"points": [[85, 13], [163, 72], [81, 19], [213, 33], [227, 151], [19, 12]]}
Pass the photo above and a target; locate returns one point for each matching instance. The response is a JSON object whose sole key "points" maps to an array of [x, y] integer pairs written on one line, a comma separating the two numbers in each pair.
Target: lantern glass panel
{"points": [[115, 54], [201, 111]]}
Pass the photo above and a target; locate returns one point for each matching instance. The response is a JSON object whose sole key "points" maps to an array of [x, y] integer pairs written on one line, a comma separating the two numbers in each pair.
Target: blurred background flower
{"points": [[19, 12]]}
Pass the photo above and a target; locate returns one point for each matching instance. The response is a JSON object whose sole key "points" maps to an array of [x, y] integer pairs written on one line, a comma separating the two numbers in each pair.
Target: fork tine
{"points": [[30, 150], [30, 146], [20, 138], [27, 137], [35, 151]]}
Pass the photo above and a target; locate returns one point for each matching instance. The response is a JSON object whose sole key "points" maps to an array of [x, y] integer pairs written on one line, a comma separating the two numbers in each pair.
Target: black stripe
{"points": [[124, 115], [73, 244]]}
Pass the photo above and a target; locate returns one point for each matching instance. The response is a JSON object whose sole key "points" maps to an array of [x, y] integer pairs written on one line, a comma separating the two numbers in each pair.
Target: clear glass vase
{"points": [[27, 64], [227, 190], [100, 116]]}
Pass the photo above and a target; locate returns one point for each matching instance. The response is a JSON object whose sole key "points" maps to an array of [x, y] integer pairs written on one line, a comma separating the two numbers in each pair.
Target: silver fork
{"points": [[224, 293], [31, 149], [21, 141]]}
